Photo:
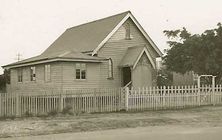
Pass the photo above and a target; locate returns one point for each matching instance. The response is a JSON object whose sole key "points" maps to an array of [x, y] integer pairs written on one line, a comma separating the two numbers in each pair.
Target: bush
{"points": [[43, 115], [53, 113], [67, 110], [28, 114], [164, 78], [7, 117]]}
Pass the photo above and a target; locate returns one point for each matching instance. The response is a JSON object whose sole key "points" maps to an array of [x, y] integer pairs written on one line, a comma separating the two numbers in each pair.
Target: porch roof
{"points": [[132, 56]]}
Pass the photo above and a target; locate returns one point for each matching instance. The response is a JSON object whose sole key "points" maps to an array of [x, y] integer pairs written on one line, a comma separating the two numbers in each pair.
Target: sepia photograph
{"points": [[110, 70]]}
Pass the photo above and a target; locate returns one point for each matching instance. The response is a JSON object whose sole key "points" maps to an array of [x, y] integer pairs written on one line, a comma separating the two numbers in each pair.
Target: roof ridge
{"points": [[99, 20]]}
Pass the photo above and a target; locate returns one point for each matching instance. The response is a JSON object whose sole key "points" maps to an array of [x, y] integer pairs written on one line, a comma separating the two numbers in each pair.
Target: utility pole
{"points": [[18, 57]]}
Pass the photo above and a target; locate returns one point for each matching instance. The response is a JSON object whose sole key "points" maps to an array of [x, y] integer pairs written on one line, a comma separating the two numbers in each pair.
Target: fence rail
{"points": [[75, 101], [172, 97], [109, 100]]}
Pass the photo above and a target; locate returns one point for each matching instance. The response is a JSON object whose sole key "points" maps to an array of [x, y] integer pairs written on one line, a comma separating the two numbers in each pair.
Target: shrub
{"points": [[28, 114], [7, 117], [53, 113], [67, 110], [43, 115]]}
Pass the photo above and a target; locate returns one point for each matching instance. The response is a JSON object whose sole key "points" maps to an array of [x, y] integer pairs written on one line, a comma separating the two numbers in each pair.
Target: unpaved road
{"points": [[200, 120], [140, 133]]}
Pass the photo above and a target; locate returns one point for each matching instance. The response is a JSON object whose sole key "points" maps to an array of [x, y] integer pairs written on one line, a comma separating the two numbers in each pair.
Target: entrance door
{"points": [[126, 71]]}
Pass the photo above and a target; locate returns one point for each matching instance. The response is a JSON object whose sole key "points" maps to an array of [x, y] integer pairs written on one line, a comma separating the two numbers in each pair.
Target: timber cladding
{"points": [[40, 83], [116, 48], [91, 55]]}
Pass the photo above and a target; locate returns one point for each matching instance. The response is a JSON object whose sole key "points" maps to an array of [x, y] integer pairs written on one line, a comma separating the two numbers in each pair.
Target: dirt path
{"points": [[141, 133], [203, 117]]}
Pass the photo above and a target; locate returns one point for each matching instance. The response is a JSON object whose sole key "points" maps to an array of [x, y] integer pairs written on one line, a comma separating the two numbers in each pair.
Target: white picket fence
{"points": [[154, 98], [76, 101], [108, 100]]}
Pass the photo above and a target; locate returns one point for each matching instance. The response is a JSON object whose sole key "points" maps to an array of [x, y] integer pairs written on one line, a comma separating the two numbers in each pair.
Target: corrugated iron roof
{"points": [[68, 56], [81, 38], [85, 37], [131, 56]]}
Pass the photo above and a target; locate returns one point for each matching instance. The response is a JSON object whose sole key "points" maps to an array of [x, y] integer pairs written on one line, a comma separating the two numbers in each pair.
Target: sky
{"points": [[28, 27]]}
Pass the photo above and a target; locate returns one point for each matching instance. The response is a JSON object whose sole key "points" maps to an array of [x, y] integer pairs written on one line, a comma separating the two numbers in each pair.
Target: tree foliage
{"points": [[201, 53], [164, 78], [2, 83]]}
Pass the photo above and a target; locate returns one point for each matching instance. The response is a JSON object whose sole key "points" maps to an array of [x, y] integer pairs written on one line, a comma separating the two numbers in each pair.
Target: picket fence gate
{"points": [[108, 100]]}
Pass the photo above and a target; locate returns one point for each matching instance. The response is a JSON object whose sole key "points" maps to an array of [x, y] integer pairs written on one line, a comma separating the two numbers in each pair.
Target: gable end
{"points": [[129, 15]]}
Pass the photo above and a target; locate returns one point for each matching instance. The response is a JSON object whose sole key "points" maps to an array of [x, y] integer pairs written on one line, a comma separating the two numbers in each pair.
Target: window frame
{"points": [[128, 31], [20, 75], [81, 67], [33, 73], [110, 68], [47, 73]]}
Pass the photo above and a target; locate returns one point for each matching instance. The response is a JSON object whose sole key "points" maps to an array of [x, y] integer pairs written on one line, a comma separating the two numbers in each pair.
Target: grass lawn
{"points": [[195, 117]]}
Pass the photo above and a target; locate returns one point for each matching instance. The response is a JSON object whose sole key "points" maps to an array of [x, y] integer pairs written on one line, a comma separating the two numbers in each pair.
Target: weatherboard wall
{"points": [[115, 48], [63, 73], [40, 84], [69, 81], [143, 74]]}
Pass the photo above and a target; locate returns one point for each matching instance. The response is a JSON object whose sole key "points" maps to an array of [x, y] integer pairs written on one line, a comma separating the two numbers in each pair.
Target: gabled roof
{"points": [[82, 38], [133, 55], [129, 15], [89, 37], [85, 37]]}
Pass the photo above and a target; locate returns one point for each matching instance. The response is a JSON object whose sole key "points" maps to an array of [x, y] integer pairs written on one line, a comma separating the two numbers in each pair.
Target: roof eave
{"points": [[149, 57], [146, 35], [53, 60]]}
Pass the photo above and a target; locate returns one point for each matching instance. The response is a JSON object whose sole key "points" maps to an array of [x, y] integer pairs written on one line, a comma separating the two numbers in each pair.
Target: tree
{"points": [[200, 53], [2, 83], [164, 78]]}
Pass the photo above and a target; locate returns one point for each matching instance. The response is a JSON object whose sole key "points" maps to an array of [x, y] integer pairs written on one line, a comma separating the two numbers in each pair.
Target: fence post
{"points": [[119, 98], [198, 86], [61, 102], [164, 97], [94, 101], [17, 104], [127, 99], [213, 89]]}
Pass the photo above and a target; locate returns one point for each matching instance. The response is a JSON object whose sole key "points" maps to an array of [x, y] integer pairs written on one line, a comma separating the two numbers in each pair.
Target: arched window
{"points": [[110, 68], [127, 27]]}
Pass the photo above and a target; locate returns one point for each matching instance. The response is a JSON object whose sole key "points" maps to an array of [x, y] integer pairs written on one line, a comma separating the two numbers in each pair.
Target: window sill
{"points": [[128, 38], [80, 79], [110, 78]]}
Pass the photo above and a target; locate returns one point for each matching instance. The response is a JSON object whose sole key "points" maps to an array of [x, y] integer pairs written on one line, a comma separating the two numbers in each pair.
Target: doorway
{"points": [[126, 72]]}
